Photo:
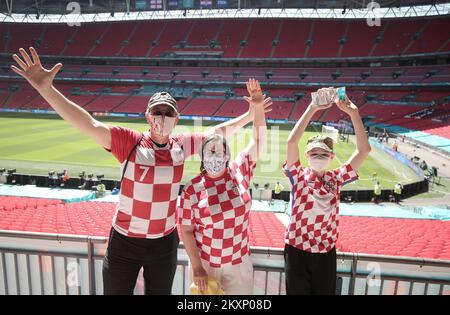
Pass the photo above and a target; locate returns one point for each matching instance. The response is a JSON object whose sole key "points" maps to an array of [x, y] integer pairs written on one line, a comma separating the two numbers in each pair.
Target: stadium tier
{"points": [[203, 106], [372, 235], [244, 38], [389, 107], [416, 74]]}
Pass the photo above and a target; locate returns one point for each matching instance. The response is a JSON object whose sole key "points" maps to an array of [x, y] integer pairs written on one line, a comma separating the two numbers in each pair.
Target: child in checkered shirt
{"points": [[215, 205], [310, 253]]}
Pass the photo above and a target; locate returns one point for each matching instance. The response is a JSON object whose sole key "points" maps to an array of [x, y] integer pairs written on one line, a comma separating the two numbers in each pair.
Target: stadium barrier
{"points": [[39, 263], [398, 156], [408, 190]]}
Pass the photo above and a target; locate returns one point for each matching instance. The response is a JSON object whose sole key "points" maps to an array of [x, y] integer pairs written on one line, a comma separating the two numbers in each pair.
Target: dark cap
{"points": [[162, 98]]}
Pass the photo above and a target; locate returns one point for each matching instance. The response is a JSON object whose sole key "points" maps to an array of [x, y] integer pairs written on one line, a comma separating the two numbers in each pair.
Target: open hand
{"points": [[32, 70], [266, 103], [254, 90]]}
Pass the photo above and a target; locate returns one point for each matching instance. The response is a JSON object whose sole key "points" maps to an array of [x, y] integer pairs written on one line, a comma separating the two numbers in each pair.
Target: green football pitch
{"points": [[36, 144]]}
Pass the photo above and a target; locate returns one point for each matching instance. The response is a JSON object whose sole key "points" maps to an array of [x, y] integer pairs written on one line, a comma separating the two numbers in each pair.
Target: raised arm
{"points": [[298, 130], [257, 102], [230, 127], [42, 80], [362, 144]]}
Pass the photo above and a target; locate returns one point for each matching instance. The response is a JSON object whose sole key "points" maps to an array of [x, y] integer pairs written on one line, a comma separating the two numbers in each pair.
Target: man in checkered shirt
{"points": [[310, 253], [144, 233], [215, 206]]}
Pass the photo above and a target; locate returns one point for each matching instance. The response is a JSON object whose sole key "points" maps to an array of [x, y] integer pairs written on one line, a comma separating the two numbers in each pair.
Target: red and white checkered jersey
{"points": [[314, 218], [219, 210], [150, 187]]}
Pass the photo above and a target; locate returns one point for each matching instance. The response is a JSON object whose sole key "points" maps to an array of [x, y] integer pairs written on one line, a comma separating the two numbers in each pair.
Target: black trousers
{"points": [[125, 256], [308, 273]]}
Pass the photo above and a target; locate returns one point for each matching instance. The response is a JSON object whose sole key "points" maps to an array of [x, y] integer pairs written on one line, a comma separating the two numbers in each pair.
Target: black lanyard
{"points": [[129, 156]]}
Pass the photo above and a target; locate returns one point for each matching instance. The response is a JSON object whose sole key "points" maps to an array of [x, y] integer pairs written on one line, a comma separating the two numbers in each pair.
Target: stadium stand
{"points": [[397, 74], [295, 39], [414, 74], [385, 236], [244, 38]]}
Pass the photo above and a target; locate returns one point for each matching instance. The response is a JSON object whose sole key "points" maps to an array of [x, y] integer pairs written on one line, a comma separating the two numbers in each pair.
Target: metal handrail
{"points": [[53, 236], [353, 274], [254, 249]]}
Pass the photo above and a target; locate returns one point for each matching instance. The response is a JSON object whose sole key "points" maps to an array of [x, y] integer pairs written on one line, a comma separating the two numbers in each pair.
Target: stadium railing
{"points": [[37, 263]]}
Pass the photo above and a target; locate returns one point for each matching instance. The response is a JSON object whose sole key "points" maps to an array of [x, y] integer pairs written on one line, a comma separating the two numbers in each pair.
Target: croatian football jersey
{"points": [[219, 211], [151, 183], [314, 218]]}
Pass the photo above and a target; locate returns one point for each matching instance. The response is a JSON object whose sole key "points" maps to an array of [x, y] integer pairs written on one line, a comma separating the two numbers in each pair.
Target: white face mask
{"points": [[214, 164], [319, 164], [162, 125]]}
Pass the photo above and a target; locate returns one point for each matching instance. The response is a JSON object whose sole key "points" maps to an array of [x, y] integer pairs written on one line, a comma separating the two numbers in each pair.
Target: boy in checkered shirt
{"points": [[310, 253], [144, 233], [215, 205]]}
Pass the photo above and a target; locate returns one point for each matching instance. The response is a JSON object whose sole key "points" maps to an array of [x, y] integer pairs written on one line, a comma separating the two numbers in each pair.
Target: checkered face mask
{"points": [[162, 125], [319, 163], [214, 164]]}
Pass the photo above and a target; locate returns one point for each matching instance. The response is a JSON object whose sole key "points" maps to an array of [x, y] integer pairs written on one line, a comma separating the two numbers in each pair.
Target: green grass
{"points": [[36, 144]]}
